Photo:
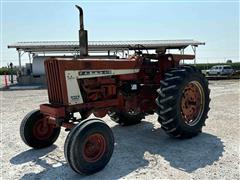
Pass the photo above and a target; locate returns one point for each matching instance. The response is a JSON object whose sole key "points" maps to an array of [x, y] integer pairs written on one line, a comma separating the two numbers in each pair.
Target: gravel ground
{"points": [[142, 151]]}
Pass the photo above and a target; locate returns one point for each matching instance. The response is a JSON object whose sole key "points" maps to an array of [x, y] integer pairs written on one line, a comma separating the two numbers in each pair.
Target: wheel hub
{"points": [[192, 103], [94, 148], [42, 130]]}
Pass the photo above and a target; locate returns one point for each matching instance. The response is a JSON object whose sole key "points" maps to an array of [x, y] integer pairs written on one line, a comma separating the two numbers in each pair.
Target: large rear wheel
{"points": [[183, 102]]}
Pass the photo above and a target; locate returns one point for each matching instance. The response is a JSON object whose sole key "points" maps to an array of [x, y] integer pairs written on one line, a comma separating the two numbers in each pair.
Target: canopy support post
{"points": [[19, 61], [29, 57], [195, 53], [182, 53]]}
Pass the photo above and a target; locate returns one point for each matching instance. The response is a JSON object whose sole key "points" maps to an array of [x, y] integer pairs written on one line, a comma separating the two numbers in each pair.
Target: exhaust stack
{"points": [[83, 37]]}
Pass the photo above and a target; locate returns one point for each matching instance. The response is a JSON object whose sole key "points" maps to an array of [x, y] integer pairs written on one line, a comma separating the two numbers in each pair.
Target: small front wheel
{"points": [[89, 146], [36, 132]]}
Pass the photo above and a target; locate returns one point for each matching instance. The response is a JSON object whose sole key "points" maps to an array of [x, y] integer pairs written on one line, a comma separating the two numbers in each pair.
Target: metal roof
{"points": [[73, 46]]}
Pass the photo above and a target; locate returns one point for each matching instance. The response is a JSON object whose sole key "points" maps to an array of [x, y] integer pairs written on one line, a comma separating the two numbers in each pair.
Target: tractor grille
{"points": [[53, 81]]}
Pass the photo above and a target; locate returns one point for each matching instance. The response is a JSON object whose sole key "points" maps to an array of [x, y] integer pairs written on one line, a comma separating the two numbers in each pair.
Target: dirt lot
{"points": [[142, 151]]}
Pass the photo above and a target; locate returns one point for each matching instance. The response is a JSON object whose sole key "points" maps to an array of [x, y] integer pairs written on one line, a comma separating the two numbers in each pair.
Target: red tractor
{"points": [[126, 89]]}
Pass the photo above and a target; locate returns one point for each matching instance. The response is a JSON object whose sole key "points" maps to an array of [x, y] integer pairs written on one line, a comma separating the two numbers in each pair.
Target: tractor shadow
{"points": [[145, 145], [31, 155], [136, 147], [40, 157]]}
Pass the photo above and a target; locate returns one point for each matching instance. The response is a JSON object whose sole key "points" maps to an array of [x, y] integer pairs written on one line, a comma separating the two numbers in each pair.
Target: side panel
{"points": [[73, 90], [58, 86]]}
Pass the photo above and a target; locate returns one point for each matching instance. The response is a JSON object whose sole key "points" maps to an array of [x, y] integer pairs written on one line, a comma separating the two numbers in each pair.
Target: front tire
{"points": [[89, 146], [36, 132], [183, 102]]}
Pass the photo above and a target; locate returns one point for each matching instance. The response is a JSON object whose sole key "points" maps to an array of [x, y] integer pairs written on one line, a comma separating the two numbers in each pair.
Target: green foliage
{"points": [[6, 70]]}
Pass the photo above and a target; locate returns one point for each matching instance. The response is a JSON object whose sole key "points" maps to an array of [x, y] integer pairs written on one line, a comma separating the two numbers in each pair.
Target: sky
{"points": [[214, 22]]}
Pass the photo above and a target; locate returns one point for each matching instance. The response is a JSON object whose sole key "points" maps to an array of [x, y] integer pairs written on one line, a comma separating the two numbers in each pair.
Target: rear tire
{"points": [[126, 119], [183, 102], [89, 146], [36, 132]]}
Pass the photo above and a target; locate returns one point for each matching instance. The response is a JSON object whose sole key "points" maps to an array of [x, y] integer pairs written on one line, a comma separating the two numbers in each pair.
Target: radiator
{"points": [[55, 91]]}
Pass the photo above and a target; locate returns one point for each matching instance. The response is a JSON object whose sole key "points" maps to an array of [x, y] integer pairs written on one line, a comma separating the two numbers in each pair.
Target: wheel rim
{"points": [[94, 147], [42, 130], [192, 103]]}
